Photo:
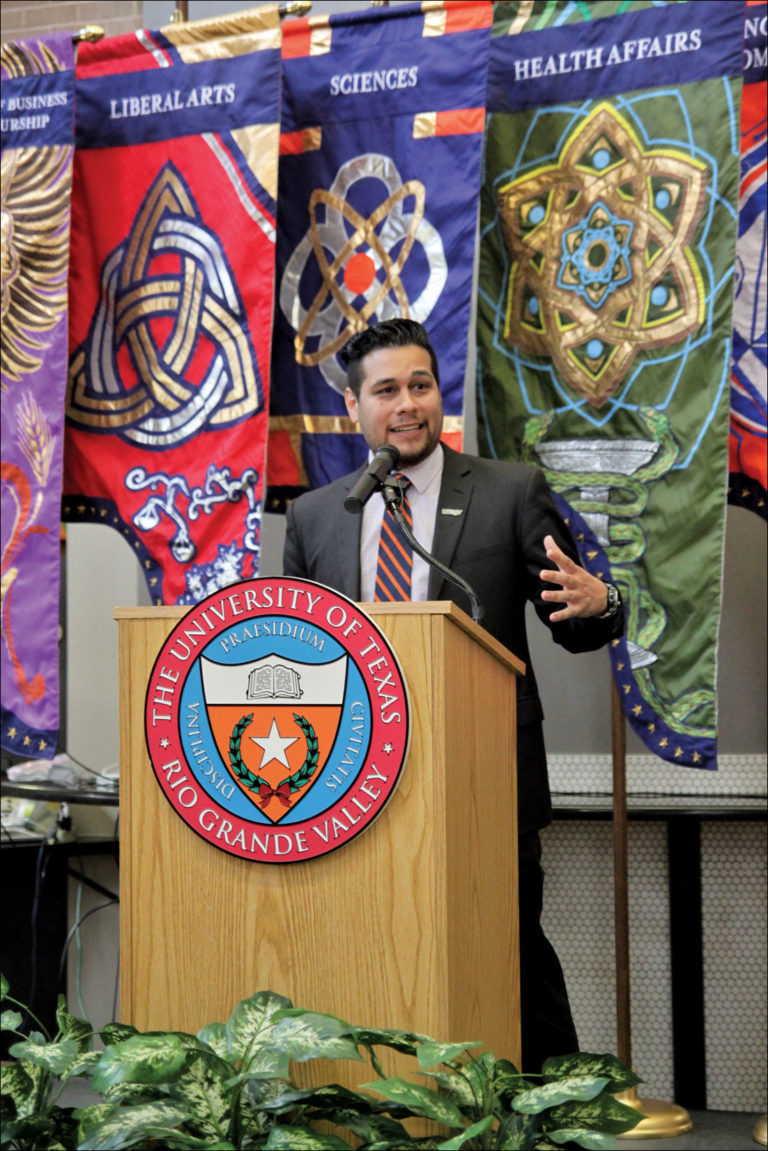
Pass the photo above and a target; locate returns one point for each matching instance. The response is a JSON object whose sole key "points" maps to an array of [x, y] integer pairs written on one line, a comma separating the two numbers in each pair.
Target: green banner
{"points": [[604, 321]]}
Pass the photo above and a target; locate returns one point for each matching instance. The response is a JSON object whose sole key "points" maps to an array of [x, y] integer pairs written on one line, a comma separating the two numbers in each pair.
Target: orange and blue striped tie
{"points": [[393, 568]]}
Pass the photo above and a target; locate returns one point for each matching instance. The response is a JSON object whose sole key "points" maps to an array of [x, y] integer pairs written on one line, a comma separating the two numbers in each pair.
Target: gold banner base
{"points": [[760, 1133], [660, 1121]]}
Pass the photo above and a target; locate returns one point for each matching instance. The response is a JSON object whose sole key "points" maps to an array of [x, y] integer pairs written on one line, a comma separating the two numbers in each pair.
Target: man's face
{"points": [[400, 402]]}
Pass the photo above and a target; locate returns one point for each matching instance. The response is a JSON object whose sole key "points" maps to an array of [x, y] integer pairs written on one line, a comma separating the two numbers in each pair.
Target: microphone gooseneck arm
{"points": [[393, 497]]}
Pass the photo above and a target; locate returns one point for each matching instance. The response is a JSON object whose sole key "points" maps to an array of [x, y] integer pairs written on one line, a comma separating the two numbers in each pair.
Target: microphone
{"points": [[384, 460]]}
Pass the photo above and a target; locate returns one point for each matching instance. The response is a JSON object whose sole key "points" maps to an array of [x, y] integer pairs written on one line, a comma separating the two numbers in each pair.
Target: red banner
{"points": [[171, 316]]}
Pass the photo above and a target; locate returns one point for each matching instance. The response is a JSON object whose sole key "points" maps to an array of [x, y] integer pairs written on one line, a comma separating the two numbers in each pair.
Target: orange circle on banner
{"points": [[359, 272]]}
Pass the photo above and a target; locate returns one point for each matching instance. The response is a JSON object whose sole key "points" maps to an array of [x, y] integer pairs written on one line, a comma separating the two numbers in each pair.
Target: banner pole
{"points": [[620, 879], [660, 1119]]}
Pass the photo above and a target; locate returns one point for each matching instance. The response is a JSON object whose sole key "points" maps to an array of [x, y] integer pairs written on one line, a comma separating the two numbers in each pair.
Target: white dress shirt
{"points": [[423, 496]]}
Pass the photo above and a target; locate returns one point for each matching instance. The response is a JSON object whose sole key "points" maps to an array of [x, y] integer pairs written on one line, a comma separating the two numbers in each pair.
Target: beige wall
{"points": [[36, 16]]}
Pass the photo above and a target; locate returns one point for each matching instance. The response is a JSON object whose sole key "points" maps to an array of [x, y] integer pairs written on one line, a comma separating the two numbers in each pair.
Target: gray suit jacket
{"points": [[492, 518]]}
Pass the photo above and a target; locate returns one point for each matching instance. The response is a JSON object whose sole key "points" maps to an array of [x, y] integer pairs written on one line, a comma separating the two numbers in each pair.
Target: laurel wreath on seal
{"points": [[286, 787]]}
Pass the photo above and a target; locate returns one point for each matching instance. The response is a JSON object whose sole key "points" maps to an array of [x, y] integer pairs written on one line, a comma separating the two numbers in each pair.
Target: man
{"points": [[496, 525]]}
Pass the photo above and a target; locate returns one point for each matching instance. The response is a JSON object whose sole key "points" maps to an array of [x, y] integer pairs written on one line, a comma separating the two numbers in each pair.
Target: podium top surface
{"points": [[446, 608]]}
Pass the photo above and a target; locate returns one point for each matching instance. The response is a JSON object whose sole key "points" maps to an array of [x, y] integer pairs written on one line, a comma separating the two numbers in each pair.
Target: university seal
{"points": [[277, 720]]}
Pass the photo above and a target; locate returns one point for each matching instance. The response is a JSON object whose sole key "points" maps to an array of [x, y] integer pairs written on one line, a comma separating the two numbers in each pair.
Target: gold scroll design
{"points": [[364, 233], [37, 444], [223, 37], [659, 195], [161, 408], [34, 203], [300, 425]]}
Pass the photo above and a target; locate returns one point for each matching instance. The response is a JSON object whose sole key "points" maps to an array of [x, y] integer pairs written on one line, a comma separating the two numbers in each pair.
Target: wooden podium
{"points": [[413, 925]]}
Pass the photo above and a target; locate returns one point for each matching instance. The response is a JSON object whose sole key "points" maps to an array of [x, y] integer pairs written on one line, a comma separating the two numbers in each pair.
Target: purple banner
{"points": [[38, 87]]}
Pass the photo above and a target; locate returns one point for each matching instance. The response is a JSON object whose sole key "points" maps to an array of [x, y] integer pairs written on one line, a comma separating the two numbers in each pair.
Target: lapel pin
{"points": [[451, 511]]}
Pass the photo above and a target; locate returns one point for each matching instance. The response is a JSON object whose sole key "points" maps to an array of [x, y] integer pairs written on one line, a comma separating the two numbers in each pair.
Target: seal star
{"points": [[274, 745]]}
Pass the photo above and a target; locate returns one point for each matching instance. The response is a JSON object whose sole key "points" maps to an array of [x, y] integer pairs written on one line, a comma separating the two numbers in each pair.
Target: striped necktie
{"points": [[393, 568]]}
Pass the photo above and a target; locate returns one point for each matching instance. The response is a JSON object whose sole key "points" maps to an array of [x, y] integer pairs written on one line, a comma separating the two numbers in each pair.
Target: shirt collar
{"points": [[421, 475]]}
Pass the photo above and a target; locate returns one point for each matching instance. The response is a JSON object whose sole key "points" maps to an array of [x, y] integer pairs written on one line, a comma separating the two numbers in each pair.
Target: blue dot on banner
{"points": [[594, 349], [533, 306], [536, 214], [601, 158], [663, 198], [659, 296]]}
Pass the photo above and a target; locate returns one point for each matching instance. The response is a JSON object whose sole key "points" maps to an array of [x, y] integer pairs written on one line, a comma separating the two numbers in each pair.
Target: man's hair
{"points": [[397, 333]]}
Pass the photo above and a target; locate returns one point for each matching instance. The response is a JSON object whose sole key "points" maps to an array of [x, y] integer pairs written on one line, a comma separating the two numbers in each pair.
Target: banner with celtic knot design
{"points": [[381, 134], [173, 221], [608, 228], [749, 377], [37, 145]]}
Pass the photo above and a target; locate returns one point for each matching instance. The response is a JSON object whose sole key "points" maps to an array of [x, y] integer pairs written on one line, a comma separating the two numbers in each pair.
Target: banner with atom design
{"points": [[608, 230], [380, 149], [173, 220], [38, 141]]}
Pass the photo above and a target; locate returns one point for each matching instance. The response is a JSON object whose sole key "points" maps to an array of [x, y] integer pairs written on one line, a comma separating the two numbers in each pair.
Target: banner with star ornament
{"points": [[37, 146], [608, 230], [380, 147], [173, 226]]}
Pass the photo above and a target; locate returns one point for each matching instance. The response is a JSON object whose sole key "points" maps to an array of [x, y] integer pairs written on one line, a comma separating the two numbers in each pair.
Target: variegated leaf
{"points": [[418, 1099], [11, 1020], [470, 1132], [455, 1087], [404, 1041], [517, 1132], [84, 1064], [508, 1081], [607, 1067], [604, 1113], [202, 1086], [71, 1027], [431, 1052], [116, 1033], [250, 1025], [268, 1063], [140, 1059], [303, 1139], [561, 1091], [129, 1125], [314, 1036], [214, 1035], [328, 1097], [583, 1137], [54, 1057], [89, 1117], [18, 1084]]}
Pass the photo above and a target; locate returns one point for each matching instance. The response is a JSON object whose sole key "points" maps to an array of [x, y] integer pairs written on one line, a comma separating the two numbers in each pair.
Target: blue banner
{"points": [[186, 100], [651, 47], [37, 110], [381, 134]]}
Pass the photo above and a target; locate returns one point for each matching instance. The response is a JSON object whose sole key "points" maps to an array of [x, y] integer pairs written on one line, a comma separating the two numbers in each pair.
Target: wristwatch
{"points": [[614, 601]]}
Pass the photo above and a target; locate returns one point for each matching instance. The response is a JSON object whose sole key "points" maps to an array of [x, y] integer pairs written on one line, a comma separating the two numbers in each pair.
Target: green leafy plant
{"points": [[230, 1087]]}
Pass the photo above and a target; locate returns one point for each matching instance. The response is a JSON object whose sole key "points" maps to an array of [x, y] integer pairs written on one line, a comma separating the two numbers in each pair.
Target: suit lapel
{"points": [[455, 497], [348, 528]]}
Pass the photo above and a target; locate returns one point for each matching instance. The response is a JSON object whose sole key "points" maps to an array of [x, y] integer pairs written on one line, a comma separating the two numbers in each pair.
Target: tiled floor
{"points": [[715, 1130]]}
